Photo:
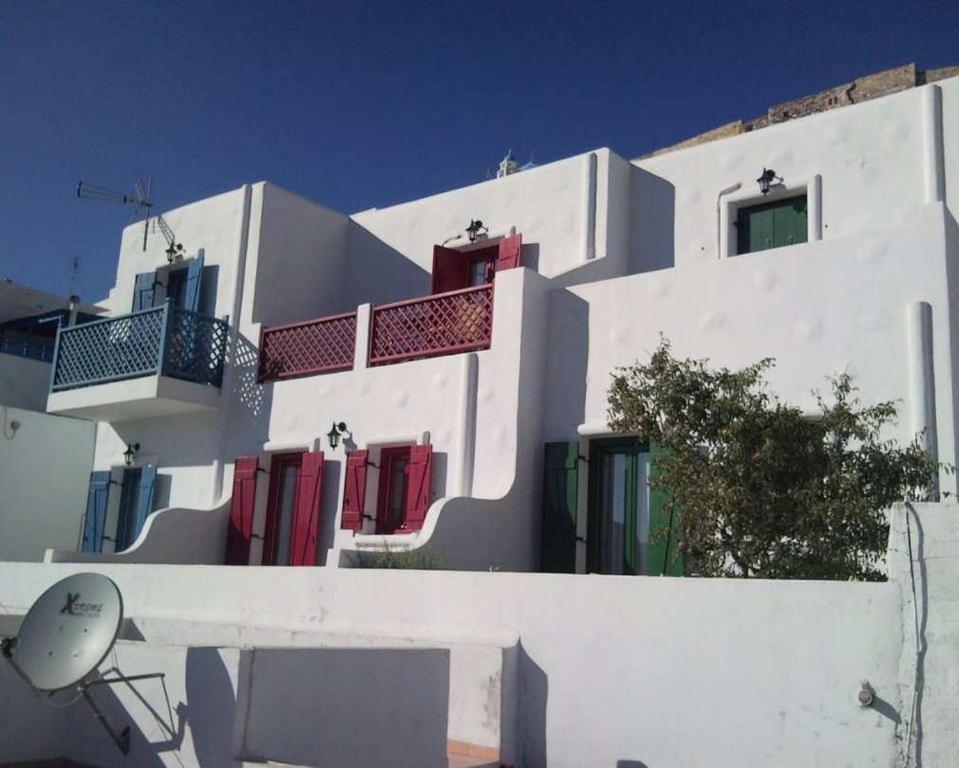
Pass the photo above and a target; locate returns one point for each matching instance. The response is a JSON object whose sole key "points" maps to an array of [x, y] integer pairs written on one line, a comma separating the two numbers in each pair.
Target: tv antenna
{"points": [[140, 198], [65, 636]]}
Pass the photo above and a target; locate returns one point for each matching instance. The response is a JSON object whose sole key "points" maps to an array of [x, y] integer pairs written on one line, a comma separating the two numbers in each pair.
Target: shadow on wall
{"points": [[379, 274], [346, 706], [247, 390], [534, 693], [652, 237], [567, 359], [157, 727]]}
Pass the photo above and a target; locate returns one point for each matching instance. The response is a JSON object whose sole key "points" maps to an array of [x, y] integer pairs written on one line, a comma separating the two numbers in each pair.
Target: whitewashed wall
{"points": [[611, 669], [810, 306], [24, 382], [44, 472]]}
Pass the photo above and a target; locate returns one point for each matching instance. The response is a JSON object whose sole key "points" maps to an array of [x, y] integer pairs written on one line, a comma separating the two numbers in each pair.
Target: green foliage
{"points": [[765, 490], [414, 560]]}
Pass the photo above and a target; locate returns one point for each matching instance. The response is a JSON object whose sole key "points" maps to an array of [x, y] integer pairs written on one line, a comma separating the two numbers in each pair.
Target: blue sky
{"points": [[367, 104]]}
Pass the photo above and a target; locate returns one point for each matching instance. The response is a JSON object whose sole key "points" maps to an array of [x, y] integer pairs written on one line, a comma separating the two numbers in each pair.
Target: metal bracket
{"points": [[122, 737], [582, 459], [581, 539]]}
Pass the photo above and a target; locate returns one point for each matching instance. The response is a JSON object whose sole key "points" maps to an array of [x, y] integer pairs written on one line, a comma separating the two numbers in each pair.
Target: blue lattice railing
{"points": [[173, 342]]}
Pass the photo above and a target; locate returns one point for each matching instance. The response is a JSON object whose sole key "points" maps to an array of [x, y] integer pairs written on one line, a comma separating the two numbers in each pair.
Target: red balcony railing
{"points": [[444, 324], [300, 349]]}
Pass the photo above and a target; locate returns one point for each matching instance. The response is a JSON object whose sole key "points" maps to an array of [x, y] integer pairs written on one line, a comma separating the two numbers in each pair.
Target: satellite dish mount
{"points": [[64, 638]]}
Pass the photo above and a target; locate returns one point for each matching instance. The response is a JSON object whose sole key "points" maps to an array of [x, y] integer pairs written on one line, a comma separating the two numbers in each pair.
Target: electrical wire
{"points": [[916, 625]]}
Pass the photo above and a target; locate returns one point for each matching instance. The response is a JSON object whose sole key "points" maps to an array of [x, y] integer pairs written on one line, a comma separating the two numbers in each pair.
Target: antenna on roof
{"points": [[140, 198]]}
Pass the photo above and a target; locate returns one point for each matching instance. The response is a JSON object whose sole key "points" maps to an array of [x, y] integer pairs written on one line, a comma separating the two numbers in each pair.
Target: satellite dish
{"points": [[68, 632], [65, 637]]}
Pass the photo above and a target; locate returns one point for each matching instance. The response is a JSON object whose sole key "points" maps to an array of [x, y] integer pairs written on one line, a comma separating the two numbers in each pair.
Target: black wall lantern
{"points": [[336, 431], [130, 453], [474, 229], [766, 180]]}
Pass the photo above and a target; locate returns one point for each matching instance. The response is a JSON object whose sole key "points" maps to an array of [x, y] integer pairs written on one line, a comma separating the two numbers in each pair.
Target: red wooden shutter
{"points": [[306, 510], [354, 494], [449, 270], [418, 486], [241, 510], [510, 253]]}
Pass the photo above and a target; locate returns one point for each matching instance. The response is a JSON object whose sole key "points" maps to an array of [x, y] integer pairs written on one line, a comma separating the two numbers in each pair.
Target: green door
{"points": [[771, 225], [624, 515]]}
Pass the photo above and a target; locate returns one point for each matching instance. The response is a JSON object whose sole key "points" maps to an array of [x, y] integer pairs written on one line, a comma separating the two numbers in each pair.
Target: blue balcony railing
{"points": [[162, 340]]}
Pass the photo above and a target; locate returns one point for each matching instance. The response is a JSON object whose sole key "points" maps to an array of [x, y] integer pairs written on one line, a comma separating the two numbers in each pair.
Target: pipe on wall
{"points": [[935, 177], [719, 218], [467, 426], [229, 371], [922, 383], [589, 206]]}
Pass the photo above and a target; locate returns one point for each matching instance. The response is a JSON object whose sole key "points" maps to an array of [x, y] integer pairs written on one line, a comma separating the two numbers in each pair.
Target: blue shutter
{"points": [[144, 500], [96, 514], [194, 272], [144, 290]]}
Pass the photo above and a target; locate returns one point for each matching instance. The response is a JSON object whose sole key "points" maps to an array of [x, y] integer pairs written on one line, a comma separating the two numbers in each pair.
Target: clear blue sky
{"points": [[366, 104]]}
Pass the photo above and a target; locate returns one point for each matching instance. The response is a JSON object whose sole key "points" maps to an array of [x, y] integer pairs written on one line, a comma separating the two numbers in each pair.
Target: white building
{"points": [[309, 388], [39, 509]]}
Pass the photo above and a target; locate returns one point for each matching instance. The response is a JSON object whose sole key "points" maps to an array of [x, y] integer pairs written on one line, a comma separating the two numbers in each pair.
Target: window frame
{"points": [[747, 195]]}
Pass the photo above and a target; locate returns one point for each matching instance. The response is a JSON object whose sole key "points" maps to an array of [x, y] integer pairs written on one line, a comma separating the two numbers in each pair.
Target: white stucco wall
{"points": [[610, 668], [819, 308], [24, 382], [44, 472], [870, 156]]}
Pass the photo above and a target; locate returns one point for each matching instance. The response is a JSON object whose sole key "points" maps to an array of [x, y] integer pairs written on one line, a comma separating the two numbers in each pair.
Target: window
{"points": [[393, 491], [771, 225]]}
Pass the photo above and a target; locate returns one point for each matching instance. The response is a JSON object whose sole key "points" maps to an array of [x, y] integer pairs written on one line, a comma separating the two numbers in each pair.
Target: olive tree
{"points": [[759, 488]]}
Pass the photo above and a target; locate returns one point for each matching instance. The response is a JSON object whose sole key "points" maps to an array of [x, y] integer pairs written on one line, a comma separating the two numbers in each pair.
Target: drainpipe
{"points": [[719, 219], [589, 207], [934, 181], [922, 383]]}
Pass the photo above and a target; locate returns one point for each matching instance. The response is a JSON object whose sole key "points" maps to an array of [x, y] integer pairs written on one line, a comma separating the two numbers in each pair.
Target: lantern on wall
{"points": [[475, 229], [130, 453], [766, 179], [336, 431]]}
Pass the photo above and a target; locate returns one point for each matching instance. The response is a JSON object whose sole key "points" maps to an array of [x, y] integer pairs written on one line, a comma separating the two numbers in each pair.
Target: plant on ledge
{"points": [[756, 487]]}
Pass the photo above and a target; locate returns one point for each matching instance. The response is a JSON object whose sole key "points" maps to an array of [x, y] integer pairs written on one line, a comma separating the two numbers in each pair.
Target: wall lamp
{"points": [[768, 177], [130, 453], [336, 431], [475, 229]]}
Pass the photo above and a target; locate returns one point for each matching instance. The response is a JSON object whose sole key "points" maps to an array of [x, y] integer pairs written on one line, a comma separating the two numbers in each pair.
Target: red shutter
{"points": [[307, 510], [419, 485], [354, 494], [449, 270], [241, 510], [510, 253]]}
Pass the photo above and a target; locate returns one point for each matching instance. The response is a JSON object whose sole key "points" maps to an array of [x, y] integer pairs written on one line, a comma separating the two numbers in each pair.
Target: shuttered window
{"points": [[240, 532], [354, 493], [404, 488], [307, 509], [96, 514], [771, 225], [455, 269], [144, 291]]}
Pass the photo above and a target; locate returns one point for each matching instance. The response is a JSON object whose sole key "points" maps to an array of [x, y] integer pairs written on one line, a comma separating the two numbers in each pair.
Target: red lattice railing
{"points": [[300, 349], [458, 321]]}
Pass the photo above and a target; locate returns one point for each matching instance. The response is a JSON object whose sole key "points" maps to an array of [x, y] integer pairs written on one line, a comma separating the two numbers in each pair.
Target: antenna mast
{"points": [[140, 198]]}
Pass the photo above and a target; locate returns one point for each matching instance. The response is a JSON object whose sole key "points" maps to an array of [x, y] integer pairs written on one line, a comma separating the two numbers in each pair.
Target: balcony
{"points": [[155, 362], [442, 324]]}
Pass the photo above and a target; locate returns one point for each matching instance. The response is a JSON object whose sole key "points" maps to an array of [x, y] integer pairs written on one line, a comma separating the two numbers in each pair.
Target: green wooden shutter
{"points": [[663, 553], [96, 514], [560, 491], [772, 225]]}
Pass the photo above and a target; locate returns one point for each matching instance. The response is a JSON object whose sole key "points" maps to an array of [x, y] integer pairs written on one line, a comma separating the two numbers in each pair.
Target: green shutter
{"points": [[771, 225], [663, 553], [560, 490]]}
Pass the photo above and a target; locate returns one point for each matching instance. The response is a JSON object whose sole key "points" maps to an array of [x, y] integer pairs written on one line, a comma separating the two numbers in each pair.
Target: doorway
{"points": [[284, 477], [618, 519], [393, 489]]}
